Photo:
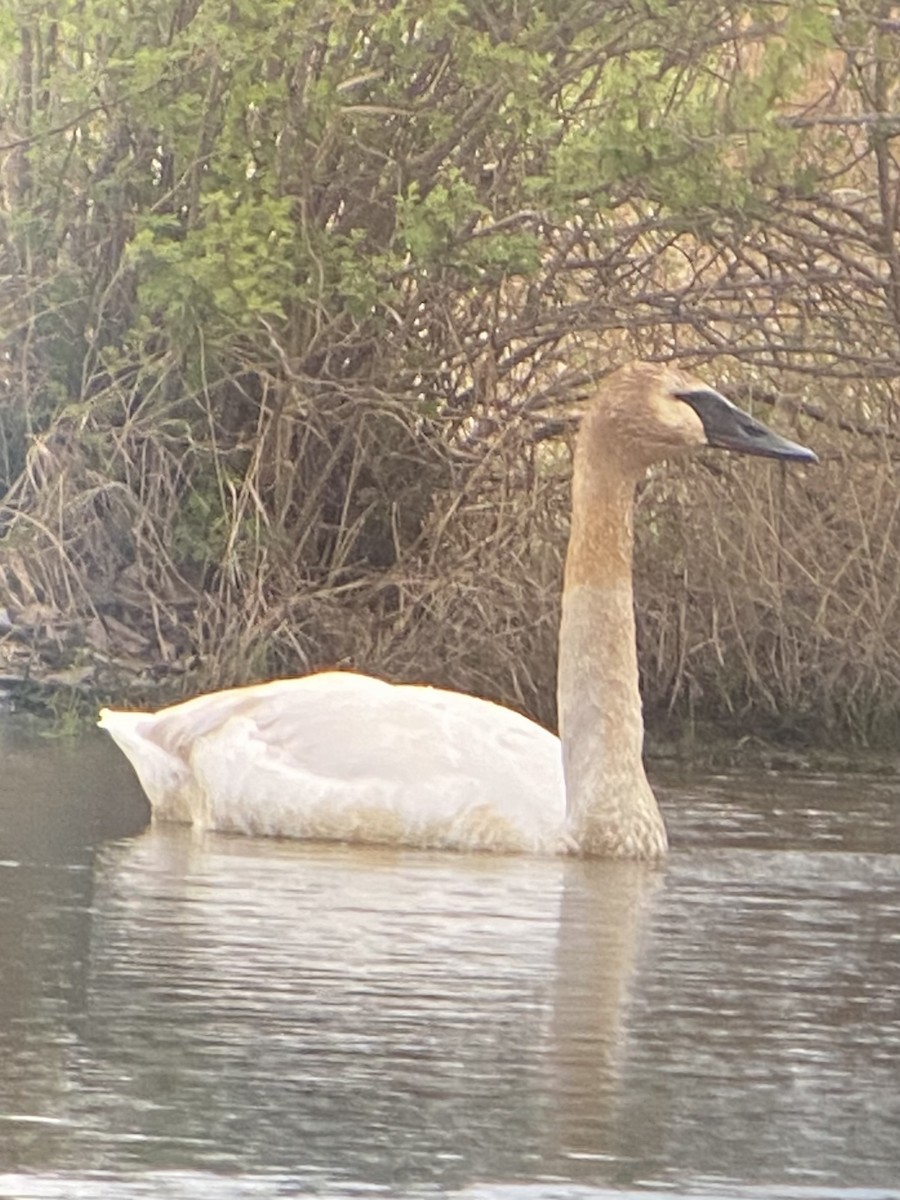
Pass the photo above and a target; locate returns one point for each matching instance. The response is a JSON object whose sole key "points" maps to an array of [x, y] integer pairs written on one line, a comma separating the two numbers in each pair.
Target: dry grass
{"points": [[431, 550]]}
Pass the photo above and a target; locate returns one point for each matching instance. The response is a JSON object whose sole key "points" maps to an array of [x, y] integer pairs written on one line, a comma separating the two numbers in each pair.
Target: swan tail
{"points": [[163, 776]]}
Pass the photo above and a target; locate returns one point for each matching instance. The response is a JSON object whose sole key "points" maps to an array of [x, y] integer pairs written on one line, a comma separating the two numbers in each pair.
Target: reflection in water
{"points": [[227, 1017], [602, 914], [52, 811], [358, 1010]]}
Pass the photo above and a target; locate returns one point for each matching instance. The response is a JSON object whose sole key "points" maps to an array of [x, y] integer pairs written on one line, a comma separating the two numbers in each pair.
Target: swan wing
{"points": [[349, 757]]}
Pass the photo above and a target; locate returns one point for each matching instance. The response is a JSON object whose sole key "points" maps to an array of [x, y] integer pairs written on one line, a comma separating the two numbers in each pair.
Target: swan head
{"points": [[649, 412]]}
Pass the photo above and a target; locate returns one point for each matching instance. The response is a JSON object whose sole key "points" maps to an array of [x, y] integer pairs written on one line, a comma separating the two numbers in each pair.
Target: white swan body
{"points": [[344, 756]]}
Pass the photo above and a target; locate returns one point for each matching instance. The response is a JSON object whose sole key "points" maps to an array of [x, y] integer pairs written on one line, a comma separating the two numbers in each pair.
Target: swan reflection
{"points": [[362, 1005]]}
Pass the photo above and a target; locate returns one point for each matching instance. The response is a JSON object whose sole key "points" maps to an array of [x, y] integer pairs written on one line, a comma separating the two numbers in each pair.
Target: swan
{"points": [[345, 756]]}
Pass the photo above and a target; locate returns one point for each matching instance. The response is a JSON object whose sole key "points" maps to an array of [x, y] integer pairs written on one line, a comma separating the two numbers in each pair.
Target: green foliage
{"points": [[692, 139], [232, 268], [255, 162]]}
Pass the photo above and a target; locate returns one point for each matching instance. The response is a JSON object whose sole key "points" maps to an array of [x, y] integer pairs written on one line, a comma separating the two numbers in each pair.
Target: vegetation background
{"points": [[299, 300]]}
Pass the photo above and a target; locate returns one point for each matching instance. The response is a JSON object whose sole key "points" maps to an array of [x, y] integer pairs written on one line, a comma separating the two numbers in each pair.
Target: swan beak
{"points": [[730, 428]]}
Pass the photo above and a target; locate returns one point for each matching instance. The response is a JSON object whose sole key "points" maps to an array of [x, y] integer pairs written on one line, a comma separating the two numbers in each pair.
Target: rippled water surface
{"points": [[223, 1017]]}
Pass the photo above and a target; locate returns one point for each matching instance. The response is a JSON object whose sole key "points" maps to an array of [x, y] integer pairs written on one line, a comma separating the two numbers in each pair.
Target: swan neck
{"points": [[611, 809]]}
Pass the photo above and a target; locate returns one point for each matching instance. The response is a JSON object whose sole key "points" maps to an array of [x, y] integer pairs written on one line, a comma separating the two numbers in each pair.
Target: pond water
{"points": [[216, 1017]]}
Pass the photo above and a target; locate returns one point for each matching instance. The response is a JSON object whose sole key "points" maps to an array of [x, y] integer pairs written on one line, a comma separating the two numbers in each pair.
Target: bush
{"points": [[300, 301]]}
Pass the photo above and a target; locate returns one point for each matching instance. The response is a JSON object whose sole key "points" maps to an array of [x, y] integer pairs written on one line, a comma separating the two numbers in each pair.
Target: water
{"points": [[220, 1017]]}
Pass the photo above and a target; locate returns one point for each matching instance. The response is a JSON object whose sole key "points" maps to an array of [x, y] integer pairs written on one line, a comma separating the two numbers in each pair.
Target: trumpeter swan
{"points": [[345, 756]]}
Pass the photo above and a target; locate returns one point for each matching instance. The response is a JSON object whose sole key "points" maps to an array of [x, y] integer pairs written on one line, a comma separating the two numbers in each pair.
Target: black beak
{"points": [[730, 428]]}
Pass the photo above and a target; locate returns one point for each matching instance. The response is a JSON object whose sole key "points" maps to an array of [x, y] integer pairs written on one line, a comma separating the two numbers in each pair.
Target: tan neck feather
{"points": [[611, 809]]}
